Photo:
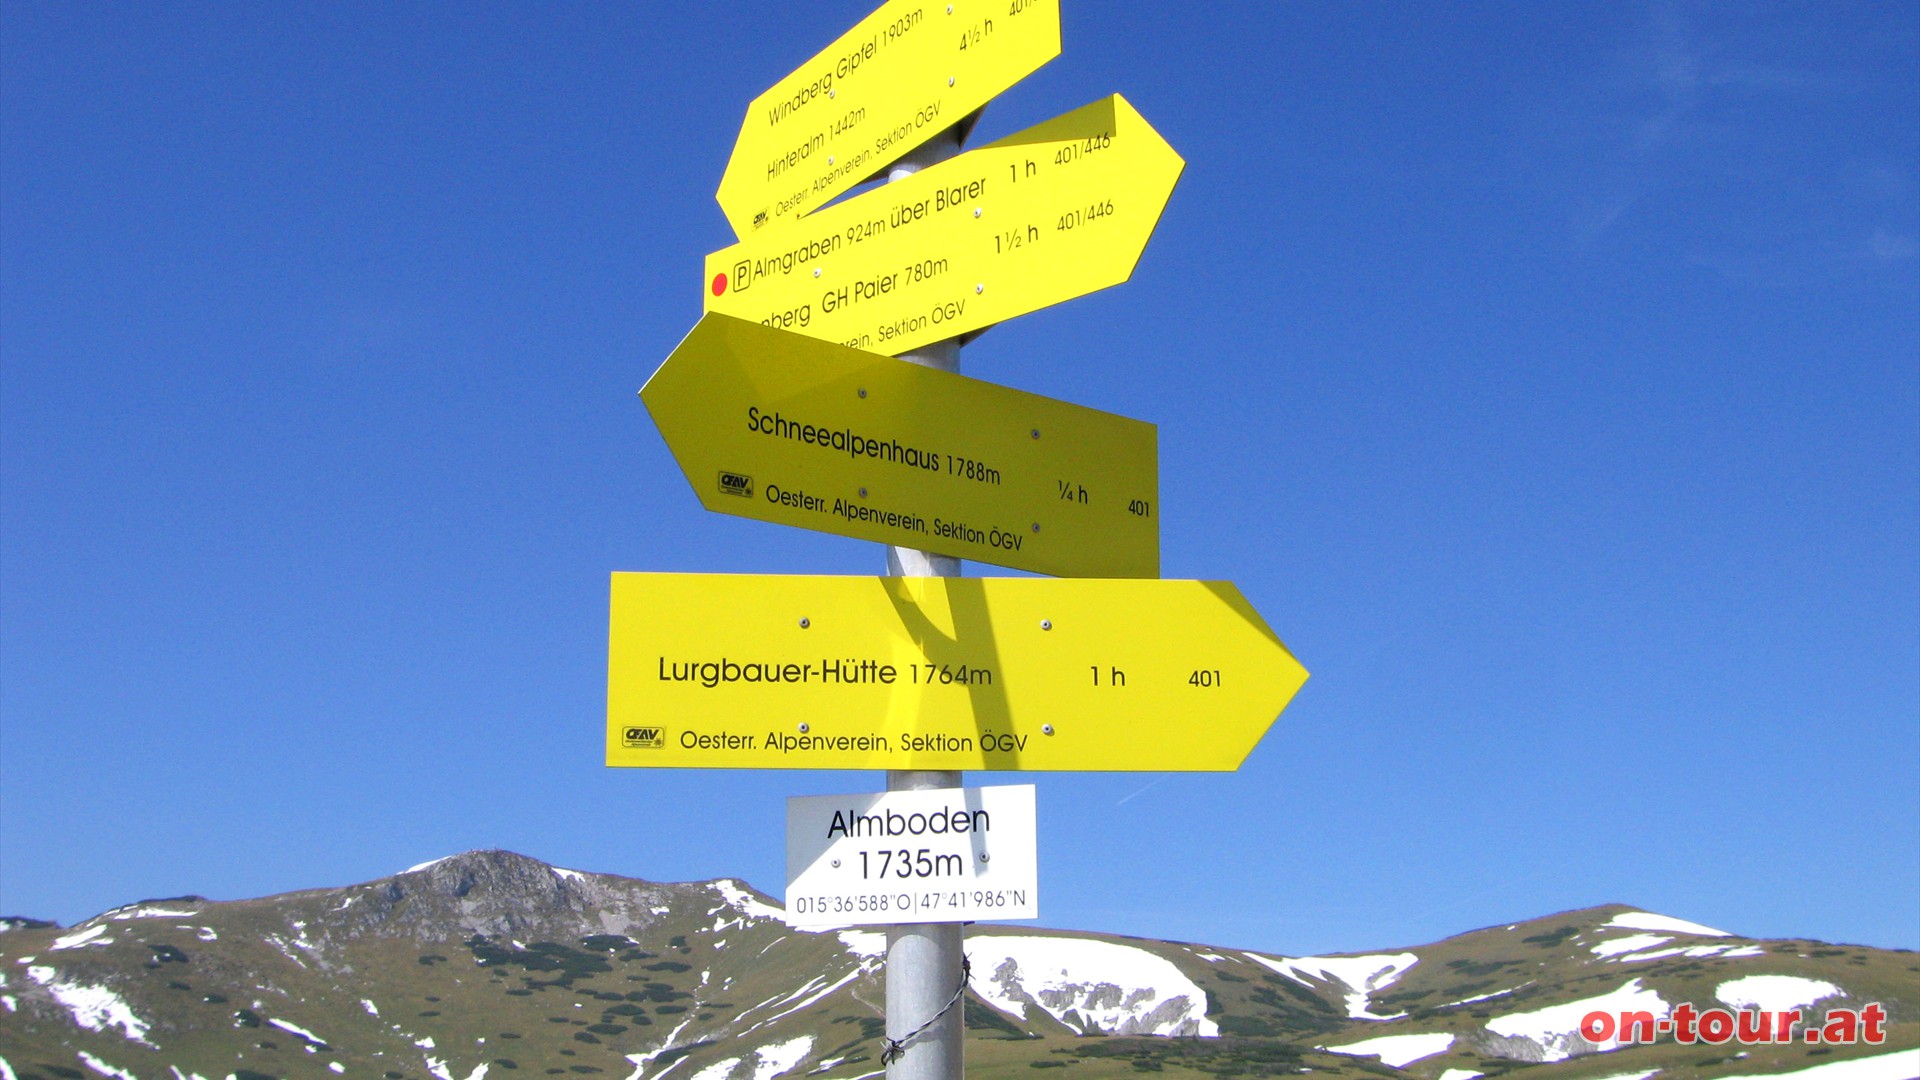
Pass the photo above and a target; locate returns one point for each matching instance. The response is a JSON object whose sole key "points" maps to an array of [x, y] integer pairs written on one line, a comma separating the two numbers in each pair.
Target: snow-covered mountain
{"points": [[489, 964]]}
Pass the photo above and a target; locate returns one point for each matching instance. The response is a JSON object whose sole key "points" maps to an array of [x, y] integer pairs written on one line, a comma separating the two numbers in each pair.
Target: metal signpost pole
{"points": [[925, 961]]}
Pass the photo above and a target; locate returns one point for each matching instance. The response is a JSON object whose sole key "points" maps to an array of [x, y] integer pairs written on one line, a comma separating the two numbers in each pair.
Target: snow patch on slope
{"points": [[292, 1028], [1089, 985], [1632, 943], [719, 1070], [1398, 1050], [144, 911], [80, 939], [1488, 997], [642, 1062], [1647, 920], [1556, 1028], [866, 944], [1774, 993], [817, 994], [1361, 975], [444, 1071], [105, 1069], [299, 941], [1638, 948], [771, 1061], [95, 1008], [736, 896]]}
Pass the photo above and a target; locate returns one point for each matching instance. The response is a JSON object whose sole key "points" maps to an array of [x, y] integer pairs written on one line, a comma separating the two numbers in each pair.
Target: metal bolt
{"points": [[976, 211], [816, 271], [863, 493], [1046, 624], [863, 391], [949, 9], [829, 159], [980, 288], [1046, 729], [1036, 433], [949, 80], [836, 864], [804, 728], [805, 622], [1036, 526], [984, 857]]}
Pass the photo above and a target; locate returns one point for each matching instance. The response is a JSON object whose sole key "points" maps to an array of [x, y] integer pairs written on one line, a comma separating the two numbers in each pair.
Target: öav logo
{"points": [[733, 483], [646, 738]]}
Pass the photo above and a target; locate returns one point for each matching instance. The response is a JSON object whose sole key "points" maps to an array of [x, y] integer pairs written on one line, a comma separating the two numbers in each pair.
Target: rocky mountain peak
{"points": [[502, 894], [502, 875]]}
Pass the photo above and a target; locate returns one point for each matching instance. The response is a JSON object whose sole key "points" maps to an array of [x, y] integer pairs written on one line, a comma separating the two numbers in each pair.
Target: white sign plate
{"points": [[949, 855]]}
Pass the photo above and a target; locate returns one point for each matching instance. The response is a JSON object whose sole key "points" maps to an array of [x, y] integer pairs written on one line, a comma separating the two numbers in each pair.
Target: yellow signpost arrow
{"points": [[786, 428], [1057, 211], [776, 672], [901, 76]]}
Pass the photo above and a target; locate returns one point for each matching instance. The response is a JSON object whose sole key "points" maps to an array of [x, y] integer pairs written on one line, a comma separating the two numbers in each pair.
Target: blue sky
{"points": [[1548, 375]]}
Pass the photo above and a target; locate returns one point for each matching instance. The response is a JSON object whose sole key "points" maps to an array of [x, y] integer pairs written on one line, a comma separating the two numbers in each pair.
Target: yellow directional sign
{"points": [[770, 672], [906, 73], [1054, 212], [778, 426]]}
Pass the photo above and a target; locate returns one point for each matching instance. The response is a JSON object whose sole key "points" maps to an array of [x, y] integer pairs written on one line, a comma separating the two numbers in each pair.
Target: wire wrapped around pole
{"points": [[897, 1047]]}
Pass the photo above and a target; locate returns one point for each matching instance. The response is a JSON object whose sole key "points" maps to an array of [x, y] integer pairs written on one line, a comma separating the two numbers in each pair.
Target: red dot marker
{"points": [[719, 284]]}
